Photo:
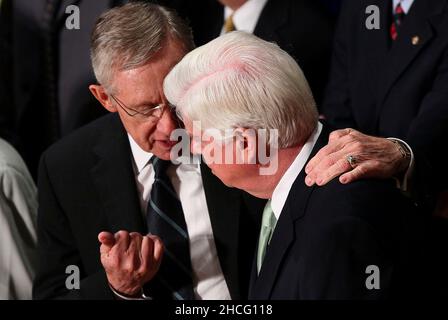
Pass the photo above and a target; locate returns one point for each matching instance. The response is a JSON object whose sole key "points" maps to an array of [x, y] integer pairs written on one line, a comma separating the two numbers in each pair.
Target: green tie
{"points": [[267, 229]]}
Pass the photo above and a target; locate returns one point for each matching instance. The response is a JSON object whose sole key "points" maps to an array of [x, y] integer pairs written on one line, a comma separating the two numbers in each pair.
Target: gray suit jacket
{"points": [[18, 211]]}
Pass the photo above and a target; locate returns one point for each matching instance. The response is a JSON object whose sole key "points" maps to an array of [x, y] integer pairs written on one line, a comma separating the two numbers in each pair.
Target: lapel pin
{"points": [[415, 40]]}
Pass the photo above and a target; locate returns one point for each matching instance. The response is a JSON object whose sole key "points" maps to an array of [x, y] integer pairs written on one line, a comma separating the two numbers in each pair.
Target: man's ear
{"points": [[246, 145], [100, 94]]}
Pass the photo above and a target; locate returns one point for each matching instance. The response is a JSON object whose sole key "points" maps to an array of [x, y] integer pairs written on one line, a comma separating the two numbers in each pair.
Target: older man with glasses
{"points": [[166, 231]]}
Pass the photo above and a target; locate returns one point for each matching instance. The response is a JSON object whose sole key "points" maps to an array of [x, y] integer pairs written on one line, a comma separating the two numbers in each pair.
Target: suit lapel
{"points": [[375, 48], [114, 180], [224, 207], [376, 42], [61, 16], [294, 209], [206, 26], [272, 17], [415, 34], [282, 238]]}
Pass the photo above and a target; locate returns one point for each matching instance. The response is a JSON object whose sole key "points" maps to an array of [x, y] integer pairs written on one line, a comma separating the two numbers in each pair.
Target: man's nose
{"points": [[166, 123]]}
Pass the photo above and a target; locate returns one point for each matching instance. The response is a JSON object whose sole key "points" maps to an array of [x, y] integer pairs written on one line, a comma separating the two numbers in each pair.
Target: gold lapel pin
{"points": [[415, 40]]}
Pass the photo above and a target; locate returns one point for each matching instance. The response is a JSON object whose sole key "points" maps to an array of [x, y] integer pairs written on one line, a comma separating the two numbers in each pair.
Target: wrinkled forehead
{"points": [[139, 85]]}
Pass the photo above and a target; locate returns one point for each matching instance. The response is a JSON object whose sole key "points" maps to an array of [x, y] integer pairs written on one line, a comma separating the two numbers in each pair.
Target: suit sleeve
{"points": [[428, 133], [57, 249]]}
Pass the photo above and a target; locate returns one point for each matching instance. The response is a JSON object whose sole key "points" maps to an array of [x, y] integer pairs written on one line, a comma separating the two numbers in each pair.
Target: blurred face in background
{"points": [[233, 4]]}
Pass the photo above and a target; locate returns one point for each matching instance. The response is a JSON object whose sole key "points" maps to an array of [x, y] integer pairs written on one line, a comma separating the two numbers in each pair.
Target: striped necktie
{"points": [[398, 17], [166, 219]]}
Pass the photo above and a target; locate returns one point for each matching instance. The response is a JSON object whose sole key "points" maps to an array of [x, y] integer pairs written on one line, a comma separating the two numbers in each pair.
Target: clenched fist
{"points": [[130, 260]]}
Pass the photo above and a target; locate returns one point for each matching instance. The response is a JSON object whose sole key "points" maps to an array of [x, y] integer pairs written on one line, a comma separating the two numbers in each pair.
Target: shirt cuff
{"points": [[120, 296], [403, 184]]}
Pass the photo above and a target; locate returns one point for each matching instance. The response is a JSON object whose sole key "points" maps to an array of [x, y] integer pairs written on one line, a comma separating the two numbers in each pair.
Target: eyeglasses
{"points": [[155, 112], [147, 112]]}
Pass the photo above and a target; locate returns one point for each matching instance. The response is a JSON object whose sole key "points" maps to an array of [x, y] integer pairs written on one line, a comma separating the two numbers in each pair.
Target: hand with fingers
{"points": [[352, 155], [130, 260]]}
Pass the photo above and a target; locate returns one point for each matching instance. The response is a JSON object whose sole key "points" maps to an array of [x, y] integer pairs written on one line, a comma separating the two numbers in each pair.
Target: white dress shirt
{"points": [[283, 187], [208, 281], [246, 17], [405, 4]]}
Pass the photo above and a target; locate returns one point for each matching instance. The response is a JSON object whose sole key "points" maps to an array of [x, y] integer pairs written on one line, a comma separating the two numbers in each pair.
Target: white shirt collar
{"points": [[141, 157], [405, 4], [282, 189], [246, 17]]}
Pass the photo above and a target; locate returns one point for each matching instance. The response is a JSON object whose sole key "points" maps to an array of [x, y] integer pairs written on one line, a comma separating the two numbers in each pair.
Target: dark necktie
{"points": [[166, 219], [398, 18]]}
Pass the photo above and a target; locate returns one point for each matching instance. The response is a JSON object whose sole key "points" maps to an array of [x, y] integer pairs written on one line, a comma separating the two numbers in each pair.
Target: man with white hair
{"points": [[111, 181], [334, 242]]}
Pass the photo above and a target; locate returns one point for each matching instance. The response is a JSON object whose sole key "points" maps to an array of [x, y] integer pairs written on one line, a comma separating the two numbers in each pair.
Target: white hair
{"points": [[126, 37], [239, 80]]}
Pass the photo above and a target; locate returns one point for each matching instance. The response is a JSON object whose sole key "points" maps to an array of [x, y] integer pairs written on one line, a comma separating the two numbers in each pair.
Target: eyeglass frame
{"points": [[145, 114]]}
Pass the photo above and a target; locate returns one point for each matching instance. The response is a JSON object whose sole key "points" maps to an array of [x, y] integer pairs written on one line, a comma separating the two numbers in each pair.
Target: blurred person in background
{"points": [[48, 72], [18, 239], [388, 95], [303, 28], [5, 71]]}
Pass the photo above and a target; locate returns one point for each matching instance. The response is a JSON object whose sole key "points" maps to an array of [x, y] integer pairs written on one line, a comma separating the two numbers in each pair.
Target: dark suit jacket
{"points": [[327, 236], [87, 185], [303, 28], [395, 89], [32, 124], [6, 100]]}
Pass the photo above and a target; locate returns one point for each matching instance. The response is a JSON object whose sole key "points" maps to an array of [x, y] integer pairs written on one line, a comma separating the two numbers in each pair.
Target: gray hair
{"points": [[127, 37], [239, 80]]}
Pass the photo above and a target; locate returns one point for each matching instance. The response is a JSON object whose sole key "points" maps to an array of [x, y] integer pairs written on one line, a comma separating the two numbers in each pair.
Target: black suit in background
{"points": [[87, 185], [395, 88], [6, 101], [50, 73], [327, 236], [399, 89], [303, 28]]}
